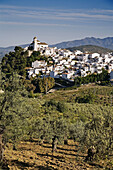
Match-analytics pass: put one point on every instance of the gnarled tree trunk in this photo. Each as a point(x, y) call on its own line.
point(1, 148)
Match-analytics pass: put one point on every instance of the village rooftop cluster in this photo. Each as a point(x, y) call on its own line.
point(66, 64)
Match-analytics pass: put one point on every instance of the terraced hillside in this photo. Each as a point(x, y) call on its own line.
point(31, 155)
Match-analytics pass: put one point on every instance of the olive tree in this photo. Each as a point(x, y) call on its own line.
point(98, 132)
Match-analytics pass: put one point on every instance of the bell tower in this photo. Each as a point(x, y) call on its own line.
point(35, 44)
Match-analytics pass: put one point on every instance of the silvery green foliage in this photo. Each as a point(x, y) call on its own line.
point(98, 132)
point(77, 130)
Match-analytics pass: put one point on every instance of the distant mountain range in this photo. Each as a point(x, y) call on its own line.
point(105, 42)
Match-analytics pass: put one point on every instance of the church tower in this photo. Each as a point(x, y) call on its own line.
point(35, 44)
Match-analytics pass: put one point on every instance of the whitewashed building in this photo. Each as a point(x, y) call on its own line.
point(37, 64)
point(36, 45)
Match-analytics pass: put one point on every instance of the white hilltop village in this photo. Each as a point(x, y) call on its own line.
point(66, 64)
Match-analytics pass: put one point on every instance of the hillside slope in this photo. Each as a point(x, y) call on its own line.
point(31, 155)
point(90, 49)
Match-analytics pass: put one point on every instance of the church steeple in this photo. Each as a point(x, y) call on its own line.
point(35, 43)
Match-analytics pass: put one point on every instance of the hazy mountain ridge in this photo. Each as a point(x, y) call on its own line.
point(105, 42)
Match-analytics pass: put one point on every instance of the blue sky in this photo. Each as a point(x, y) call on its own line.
point(54, 21)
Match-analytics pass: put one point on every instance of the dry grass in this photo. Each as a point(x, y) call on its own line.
point(31, 156)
